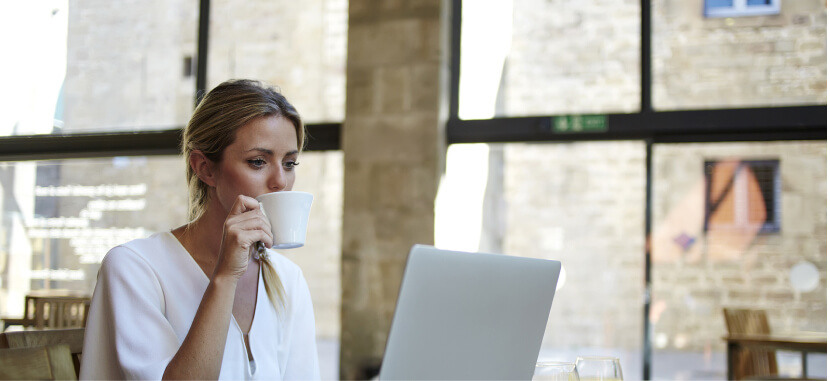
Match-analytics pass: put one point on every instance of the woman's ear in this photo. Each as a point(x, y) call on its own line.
point(202, 167)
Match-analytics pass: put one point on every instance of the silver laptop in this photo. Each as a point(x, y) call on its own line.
point(469, 316)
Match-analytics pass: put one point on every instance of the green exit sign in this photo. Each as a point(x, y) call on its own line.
point(579, 123)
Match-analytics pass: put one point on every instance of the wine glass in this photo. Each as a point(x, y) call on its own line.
point(555, 371)
point(599, 368)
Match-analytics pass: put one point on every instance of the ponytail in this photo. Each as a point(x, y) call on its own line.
point(270, 278)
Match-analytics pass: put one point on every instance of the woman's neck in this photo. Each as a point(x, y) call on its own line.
point(203, 237)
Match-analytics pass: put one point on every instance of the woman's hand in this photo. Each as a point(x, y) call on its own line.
point(245, 226)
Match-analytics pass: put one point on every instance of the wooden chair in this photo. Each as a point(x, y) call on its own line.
point(72, 338)
point(61, 312)
point(39, 363)
point(751, 362)
point(52, 311)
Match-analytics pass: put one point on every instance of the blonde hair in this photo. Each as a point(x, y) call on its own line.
point(213, 127)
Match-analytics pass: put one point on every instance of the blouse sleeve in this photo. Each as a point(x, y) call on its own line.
point(127, 334)
point(302, 362)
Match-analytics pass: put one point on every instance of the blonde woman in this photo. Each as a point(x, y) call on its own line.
point(197, 302)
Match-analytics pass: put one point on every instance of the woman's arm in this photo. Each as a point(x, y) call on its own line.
point(201, 352)
point(200, 355)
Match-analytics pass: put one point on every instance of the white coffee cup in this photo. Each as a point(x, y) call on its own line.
point(288, 213)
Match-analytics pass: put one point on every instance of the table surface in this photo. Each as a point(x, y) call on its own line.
point(808, 341)
point(57, 293)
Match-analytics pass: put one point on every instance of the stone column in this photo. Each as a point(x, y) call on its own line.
point(397, 73)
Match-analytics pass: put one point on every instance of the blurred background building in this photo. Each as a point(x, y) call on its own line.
point(538, 128)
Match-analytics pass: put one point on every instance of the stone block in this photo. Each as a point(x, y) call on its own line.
point(409, 138)
point(425, 90)
point(362, 99)
point(393, 89)
point(384, 43)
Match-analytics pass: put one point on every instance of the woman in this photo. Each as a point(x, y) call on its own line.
point(194, 302)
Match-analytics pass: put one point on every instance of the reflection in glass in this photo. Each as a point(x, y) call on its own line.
point(61, 217)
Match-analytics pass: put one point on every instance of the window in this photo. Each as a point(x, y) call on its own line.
point(529, 58)
point(702, 64)
point(697, 271)
point(736, 8)
point(743, 194)
point(298, 46)
point(562, 201)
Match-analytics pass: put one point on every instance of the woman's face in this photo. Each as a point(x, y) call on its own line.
point(260, 160)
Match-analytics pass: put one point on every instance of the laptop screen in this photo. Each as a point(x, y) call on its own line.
point(469, 316)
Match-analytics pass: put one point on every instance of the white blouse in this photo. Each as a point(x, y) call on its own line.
point(146, 297)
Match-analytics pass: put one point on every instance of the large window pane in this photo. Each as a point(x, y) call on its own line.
point(61, 217)
point(760, 61)
point(580, 203)
point(299, 46)
point(714, 248)
point(539, 57)
point(89, 66)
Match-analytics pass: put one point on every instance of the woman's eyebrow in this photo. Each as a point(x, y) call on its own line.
point(263, 150)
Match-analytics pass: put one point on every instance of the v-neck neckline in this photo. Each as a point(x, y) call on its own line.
point(195, 267)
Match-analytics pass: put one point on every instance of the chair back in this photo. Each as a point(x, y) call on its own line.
point(72, 338)
point(751, 362)
point(52, 362)
point(60, 312)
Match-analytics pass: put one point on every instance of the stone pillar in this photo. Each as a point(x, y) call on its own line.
point(393, 142)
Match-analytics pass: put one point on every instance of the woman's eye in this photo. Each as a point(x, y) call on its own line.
point(289, 165)
point(256, 163)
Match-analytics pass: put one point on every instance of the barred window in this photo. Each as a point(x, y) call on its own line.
point(743, 194)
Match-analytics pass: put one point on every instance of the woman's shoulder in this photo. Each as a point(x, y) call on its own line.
point(149, 250)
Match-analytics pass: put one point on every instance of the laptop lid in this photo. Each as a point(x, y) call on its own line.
point(469, 316)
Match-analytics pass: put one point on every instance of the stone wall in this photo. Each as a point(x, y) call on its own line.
point(573, 57)
point(393, 149)
point(125, 66)
point(583, 57)
point(739, 62)
point(691, 286)
point(582, 204)
point(300, 46)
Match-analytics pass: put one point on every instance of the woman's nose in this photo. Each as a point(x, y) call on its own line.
point(277, 181)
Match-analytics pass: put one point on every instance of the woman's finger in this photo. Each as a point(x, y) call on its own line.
point(249, 238)
point(250, 217)
point(243, 204)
